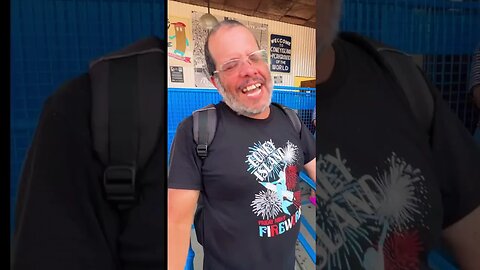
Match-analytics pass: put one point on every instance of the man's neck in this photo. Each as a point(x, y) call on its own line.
point(262, 115)
point(325, 64)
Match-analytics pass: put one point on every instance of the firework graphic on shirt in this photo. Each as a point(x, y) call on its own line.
point(352, 209)
point(402, 249)
point(290, 153)
point(278, 201)
point(266, 204)
point(281, 181)
point(403, 192)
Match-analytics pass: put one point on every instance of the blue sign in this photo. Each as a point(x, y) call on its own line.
point(280, 53)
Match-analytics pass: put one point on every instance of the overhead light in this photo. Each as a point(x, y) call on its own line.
point(208, 20)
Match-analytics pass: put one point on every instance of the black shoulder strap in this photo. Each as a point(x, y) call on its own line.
point(292, 115)
point(408, 76)
point(127, 109)
point(204, 127)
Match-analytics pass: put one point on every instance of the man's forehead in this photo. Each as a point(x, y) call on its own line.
point(224, 35)
point(225, 29)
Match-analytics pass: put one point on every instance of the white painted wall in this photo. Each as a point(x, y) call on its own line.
point(303, 43)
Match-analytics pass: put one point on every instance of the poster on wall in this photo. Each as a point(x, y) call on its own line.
point(199, 37)
point(280, 53)
point(179, 41)
point(176, 74)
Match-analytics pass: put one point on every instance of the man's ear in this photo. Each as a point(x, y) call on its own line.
point(212, 80)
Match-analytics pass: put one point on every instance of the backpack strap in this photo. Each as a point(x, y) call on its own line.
point(292, 115)
point(406, 74)
point(127, 109)
point(204, 127)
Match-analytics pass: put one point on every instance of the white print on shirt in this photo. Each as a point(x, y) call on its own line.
point(275, 170)
point(373, 219)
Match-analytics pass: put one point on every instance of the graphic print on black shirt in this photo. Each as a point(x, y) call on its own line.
point(277, 204)
point(370, 220)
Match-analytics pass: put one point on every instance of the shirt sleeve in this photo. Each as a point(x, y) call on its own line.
point(185, 165)
point(457, 160)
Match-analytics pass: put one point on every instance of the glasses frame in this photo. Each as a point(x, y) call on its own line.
point(264, 58)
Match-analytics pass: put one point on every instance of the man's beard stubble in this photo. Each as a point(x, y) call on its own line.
point(235, 105)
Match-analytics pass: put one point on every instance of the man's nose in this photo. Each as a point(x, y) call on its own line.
point(247, 68)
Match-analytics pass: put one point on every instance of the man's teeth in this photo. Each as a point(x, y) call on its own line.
point(251, 87)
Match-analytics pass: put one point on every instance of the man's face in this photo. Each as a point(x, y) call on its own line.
point(328, 17)
point(247, 87)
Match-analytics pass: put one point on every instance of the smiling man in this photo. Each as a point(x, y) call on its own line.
point(246, 86)
point(248, 183)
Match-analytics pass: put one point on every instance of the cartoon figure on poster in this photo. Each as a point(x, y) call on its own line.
point(181, 38)
point(178, 43)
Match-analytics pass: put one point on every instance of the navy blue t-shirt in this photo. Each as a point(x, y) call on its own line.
point(385, 188)
point(249, 188)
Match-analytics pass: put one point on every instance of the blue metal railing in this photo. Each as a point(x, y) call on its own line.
point(311, 231)
point(439, 260)
point(183, 101)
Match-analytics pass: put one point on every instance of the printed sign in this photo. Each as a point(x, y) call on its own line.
point(280, 53)
point(176, 74)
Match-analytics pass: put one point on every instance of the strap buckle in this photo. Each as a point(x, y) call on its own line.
point(119, 184)
point(202, 150)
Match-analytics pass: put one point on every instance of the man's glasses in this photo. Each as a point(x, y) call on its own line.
point(255, 57)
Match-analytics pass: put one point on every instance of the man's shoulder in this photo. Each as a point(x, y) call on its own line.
point(186, 124)
point(364, 45)
point(69, 108)
point(352, 49)
point(72, 98)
